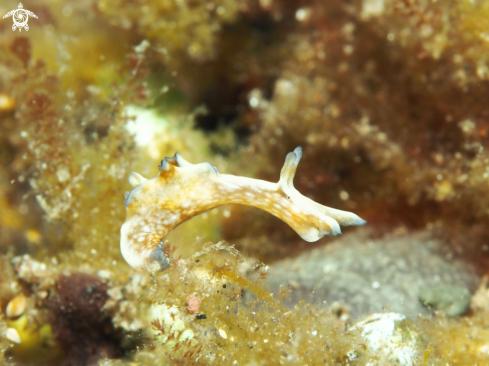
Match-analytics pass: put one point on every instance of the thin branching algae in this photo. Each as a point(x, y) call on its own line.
point(182, 190)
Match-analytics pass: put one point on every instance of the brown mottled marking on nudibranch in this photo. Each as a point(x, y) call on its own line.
point(182, 190)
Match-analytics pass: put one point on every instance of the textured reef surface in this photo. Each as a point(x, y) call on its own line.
point(389, 103)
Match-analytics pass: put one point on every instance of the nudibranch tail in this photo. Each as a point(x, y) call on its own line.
point(182, 190)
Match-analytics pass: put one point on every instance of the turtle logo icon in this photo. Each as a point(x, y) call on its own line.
point(20, 17)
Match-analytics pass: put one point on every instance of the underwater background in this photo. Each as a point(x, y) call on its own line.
point(390, 103)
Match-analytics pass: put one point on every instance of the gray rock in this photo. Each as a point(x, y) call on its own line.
point(371, 276)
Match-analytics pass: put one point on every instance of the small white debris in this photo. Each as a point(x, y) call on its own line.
point(392, 335)
point(303, 14)
point(254, 101)
point(16, 306)
point(255, 98)
point(142, 47)
point(467, 126)
point(351, 355)
point(223, 334)
point(12, 335)
point(105, 274)
point(372, 8)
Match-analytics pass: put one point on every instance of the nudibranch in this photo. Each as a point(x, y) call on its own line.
point(182, 190)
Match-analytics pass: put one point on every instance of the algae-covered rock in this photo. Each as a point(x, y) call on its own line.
point(388, 100)
point(367, 275)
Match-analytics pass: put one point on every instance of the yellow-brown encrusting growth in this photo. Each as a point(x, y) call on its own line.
point(182, 190)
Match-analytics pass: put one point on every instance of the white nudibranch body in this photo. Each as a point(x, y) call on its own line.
point(182, 190)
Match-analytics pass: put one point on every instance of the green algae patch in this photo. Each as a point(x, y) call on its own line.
point(453, 300)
